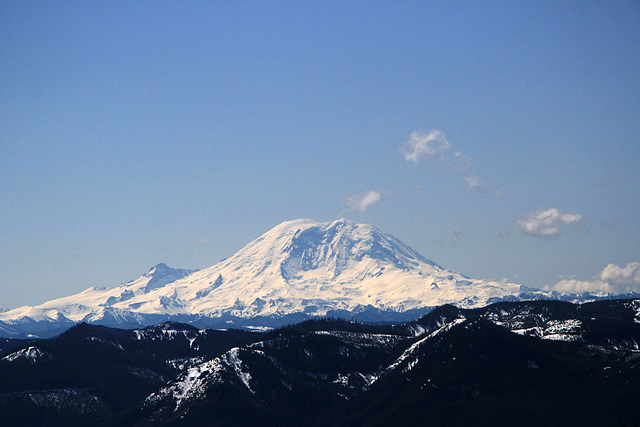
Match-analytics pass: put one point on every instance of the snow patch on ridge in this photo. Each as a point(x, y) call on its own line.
point(636, 306)
point(31, 354)
point(410, 352)
point(557, 330)
point(169, 334)
point(193, 383)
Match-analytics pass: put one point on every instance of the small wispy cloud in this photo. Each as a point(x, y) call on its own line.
point(463, 160)
point(612, 279)
point(424, 145)
point(474, 184)
point(434, 143)
point(362, 202)
point(546, 223)
point(456, 236)
point(611, 223)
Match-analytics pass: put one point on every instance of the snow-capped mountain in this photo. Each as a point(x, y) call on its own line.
point(299, 268)
point(89, 305)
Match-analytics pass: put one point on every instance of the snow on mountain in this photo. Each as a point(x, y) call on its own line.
point(193, 383)
point(90, 304)
point(310, 267)
point(31, 354)
point(300, 266)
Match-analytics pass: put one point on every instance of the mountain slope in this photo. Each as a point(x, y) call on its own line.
point(55, 316)
point(304, 266)
point(478, 373)
point(464, 367)
point(92, 371)
point(515, 363)
point(300, 268)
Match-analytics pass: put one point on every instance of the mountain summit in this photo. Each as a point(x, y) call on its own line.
point(312, 267)
point(299, 268)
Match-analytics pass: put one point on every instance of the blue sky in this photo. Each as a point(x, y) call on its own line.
point(500, 139)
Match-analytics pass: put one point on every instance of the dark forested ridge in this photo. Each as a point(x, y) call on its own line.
point(510, 363)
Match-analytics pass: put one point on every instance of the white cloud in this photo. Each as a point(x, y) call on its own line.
point(475, 184)
point(362, 202)
point(579, 286)
point(424, 145)
point(546, 223)
point(628, 274)
point(612, 279)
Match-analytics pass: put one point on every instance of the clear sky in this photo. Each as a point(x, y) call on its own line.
point(500, 139)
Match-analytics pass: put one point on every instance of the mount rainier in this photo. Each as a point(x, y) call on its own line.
point(297, 270)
